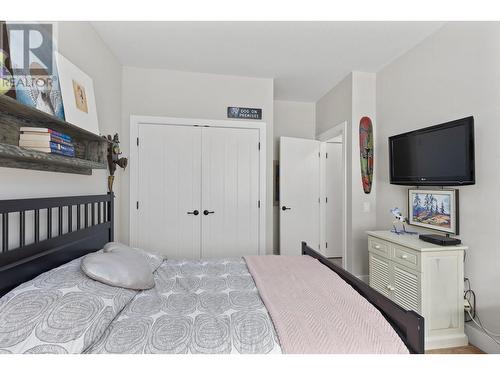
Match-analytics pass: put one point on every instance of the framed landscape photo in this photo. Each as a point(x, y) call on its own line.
point(77, 90)
point(434, 209)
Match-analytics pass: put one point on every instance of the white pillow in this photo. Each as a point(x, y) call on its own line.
point(153, 258)
point(124, 270)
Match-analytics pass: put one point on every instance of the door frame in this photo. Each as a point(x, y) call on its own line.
point(340, 129)
point(137, 120)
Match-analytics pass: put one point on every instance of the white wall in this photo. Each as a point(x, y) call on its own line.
point(158, 92)
point(351, 99)
point(81, 45)
point(291, 119)
point(452, 74)
point(335, 106)
point(363, 205)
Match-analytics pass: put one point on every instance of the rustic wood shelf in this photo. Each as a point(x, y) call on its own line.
point(18, 157)
point(90, 148)
point(30, 116)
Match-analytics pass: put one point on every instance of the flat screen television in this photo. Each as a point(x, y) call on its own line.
point(441, 155)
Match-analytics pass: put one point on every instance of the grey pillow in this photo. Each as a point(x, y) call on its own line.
point(124, 270)
point(153, 258)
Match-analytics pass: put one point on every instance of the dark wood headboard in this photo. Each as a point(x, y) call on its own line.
point(408, 324)
point(58, 230)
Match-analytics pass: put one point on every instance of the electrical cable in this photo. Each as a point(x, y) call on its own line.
point(472, 301)
point(484, 329)
point(470, 296)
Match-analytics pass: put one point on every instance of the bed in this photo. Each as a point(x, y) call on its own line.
point(229, 305)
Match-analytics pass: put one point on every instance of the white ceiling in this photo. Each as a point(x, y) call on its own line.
point(306, 59)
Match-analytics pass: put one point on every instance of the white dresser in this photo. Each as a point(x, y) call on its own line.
point(422, 277)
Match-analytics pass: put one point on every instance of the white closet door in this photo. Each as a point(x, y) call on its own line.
point(230, 192)
point(299, 194)
point(169, 187)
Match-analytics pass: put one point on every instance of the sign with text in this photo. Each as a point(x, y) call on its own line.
point(244, 113)
point(31, 48)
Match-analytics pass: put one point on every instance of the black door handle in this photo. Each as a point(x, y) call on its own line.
point(195, 212)
point(284, 208)
point(206, 212)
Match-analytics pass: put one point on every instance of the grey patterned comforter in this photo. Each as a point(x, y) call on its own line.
point(59, 311)
point(207, 306)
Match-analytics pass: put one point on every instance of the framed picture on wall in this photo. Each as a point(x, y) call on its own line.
point(77, 90)
point(434, 209)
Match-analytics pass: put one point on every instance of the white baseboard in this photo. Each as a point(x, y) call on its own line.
point(452, 340)
point(364, 278)
point(480, 339)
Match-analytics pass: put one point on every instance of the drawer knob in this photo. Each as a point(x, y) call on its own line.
point(377, 247)
point(390, 287)
point(404, 256)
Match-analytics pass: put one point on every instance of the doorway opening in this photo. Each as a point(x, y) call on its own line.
point(314, 194)
point(333, 185)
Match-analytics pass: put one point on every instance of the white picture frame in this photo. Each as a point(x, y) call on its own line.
point(439, 212)
point(77, 90)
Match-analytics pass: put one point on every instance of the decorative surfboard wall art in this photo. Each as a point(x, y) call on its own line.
point(366, 153)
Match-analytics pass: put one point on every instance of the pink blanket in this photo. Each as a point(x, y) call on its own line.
point(315, 311)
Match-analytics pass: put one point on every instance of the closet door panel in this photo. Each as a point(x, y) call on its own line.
point(230, 192)
point(169, 187)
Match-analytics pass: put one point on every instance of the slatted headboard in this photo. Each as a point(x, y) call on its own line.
point(42, 233)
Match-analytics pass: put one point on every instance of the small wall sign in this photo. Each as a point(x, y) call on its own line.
point(244, 113)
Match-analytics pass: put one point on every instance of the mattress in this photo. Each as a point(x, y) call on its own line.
point(328, 315)
point(60, 311)
point(207, 306)
point(210, 306)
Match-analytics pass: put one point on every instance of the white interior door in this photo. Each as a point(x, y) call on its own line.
point(169, 190)
point(299, 194)
point(333, 202)
point(230, 193)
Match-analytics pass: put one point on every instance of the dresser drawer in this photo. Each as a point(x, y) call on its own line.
point(406, 257)
point(378, 246)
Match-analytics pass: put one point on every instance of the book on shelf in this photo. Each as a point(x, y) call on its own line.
point(41, 140)
point(53, 150)
point(47, 144)
point(53, 145)
point(44, 131)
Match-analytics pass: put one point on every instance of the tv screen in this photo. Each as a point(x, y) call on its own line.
point(441, 155)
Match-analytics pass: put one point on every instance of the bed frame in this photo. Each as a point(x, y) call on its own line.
point(78, 225)
point(408, 324)
point(71, 228)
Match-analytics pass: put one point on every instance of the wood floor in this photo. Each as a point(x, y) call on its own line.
point(469, 349)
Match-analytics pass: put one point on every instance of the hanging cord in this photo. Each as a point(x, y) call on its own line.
point(480, 325)
point(470, 296)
